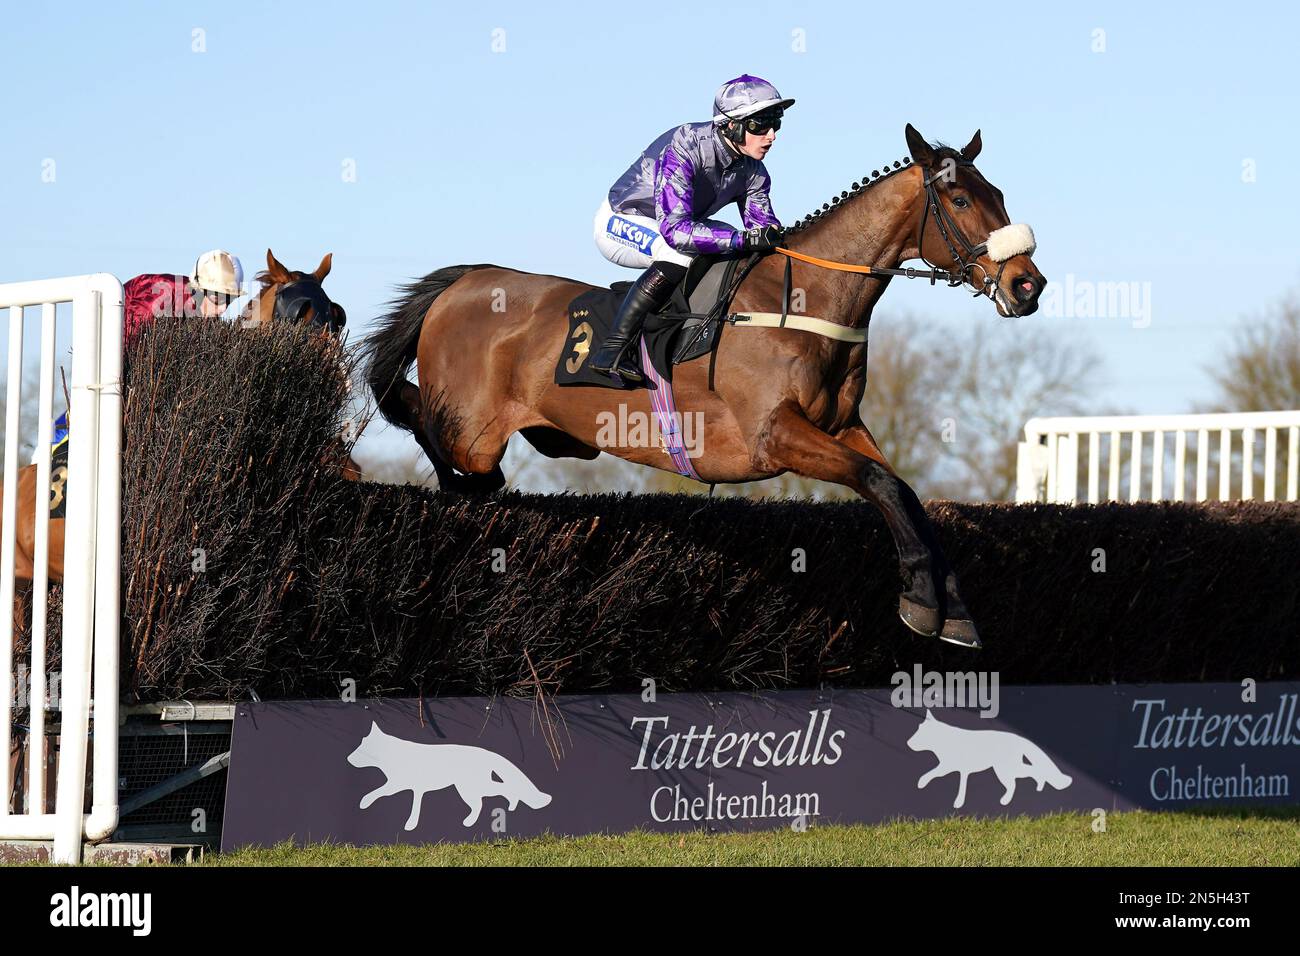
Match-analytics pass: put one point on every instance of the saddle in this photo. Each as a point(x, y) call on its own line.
point(688, 327)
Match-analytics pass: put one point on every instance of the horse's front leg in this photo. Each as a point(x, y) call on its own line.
point(957, 626)
point(791, 442)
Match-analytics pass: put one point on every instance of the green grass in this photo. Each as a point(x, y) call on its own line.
point(1260, 837)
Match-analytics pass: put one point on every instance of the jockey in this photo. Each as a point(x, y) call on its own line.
point(656, 215)
point(209, 291)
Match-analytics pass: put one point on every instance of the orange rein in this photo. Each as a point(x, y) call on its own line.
point(824, 263)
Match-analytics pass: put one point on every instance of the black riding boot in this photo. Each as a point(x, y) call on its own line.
point(648, 294)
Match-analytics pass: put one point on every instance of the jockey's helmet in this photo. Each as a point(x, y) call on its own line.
point(218, 271)
point(746, 97)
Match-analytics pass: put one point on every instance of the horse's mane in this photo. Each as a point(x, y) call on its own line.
point(942, 151)
point(877, 175)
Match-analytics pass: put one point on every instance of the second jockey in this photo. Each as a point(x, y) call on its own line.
point(655, 216)
point(216, 282)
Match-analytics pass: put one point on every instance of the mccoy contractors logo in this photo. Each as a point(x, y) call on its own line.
point(630, 234)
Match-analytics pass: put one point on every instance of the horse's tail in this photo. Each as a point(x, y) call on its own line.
point(390, 349)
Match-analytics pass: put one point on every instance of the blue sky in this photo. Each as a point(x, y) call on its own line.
point(1128, 162)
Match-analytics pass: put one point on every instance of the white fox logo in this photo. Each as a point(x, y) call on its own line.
point(971, 751)
point(474, 772)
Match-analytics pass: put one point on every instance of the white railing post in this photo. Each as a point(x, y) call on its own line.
point(78, 584)
point(1270, 464)
point(91, 581)
point(1135, 467)
point(1112, 482)
point(1026, 477)
point(1202, 463)
point(1067, 469)
point(1094, 467)
point(8, 521)
point(1055, 442)
point(41, 567)
point(108, 565)
point(1225, 464)
point(1180, 465)
point(1247, 463)
point(1033, 467)
point(1158, 466)
point(1293, 461)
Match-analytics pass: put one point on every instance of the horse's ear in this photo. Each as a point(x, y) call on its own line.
point(917, 146)
point(323, 269)
point(277, 271)
point(972, 149)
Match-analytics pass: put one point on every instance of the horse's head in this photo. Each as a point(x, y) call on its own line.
point(289, 296)
point(965, 227)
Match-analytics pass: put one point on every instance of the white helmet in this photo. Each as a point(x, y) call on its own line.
point(218, 271)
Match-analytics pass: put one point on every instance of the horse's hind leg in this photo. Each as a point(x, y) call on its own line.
point(425, 428)
point(957, 626)
point(793, 443)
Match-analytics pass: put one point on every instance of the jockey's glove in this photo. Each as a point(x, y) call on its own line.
point(762, 238)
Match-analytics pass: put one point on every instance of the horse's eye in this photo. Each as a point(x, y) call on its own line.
point(961, 202)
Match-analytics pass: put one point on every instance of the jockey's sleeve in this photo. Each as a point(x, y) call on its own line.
point(674, 210)
point(756, 208)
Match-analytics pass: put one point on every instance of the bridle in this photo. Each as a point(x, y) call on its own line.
point(293, 299)
point(948, 229)
point(965, 259)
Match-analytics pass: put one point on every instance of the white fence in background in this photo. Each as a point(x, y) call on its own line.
point(91, 568)
point(1161, 457)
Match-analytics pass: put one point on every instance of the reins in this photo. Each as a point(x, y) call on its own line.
point(948, 229)
point(934, 275)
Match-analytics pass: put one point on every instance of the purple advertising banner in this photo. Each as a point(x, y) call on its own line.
point(457, 769)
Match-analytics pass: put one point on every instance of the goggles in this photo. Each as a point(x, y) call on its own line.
point(760, 123)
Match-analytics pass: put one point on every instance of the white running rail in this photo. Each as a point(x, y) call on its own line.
point(91, 567)
point(1049, 466)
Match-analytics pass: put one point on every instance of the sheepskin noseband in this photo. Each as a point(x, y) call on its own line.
point(1016, 239)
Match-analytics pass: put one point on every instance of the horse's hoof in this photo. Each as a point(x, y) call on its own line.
point(923, 620)
point(962, 633)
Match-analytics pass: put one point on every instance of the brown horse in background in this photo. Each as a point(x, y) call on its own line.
point(275, 278)
point(785, 400)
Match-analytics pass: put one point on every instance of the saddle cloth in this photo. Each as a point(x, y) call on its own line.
point(677, 334)
point(59, 479)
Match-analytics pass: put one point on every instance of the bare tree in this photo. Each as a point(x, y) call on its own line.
point(909, 368)
point(1261, 371)
point(1004, 374)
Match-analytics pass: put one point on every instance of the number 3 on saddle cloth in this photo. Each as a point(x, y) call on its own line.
point(687, 328)
point(59, 477)
point(58, 468)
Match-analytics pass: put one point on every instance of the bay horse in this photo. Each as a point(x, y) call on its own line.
point(785, 399)
point(308, 304)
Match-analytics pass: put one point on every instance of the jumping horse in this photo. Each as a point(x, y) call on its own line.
point(783, 399)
